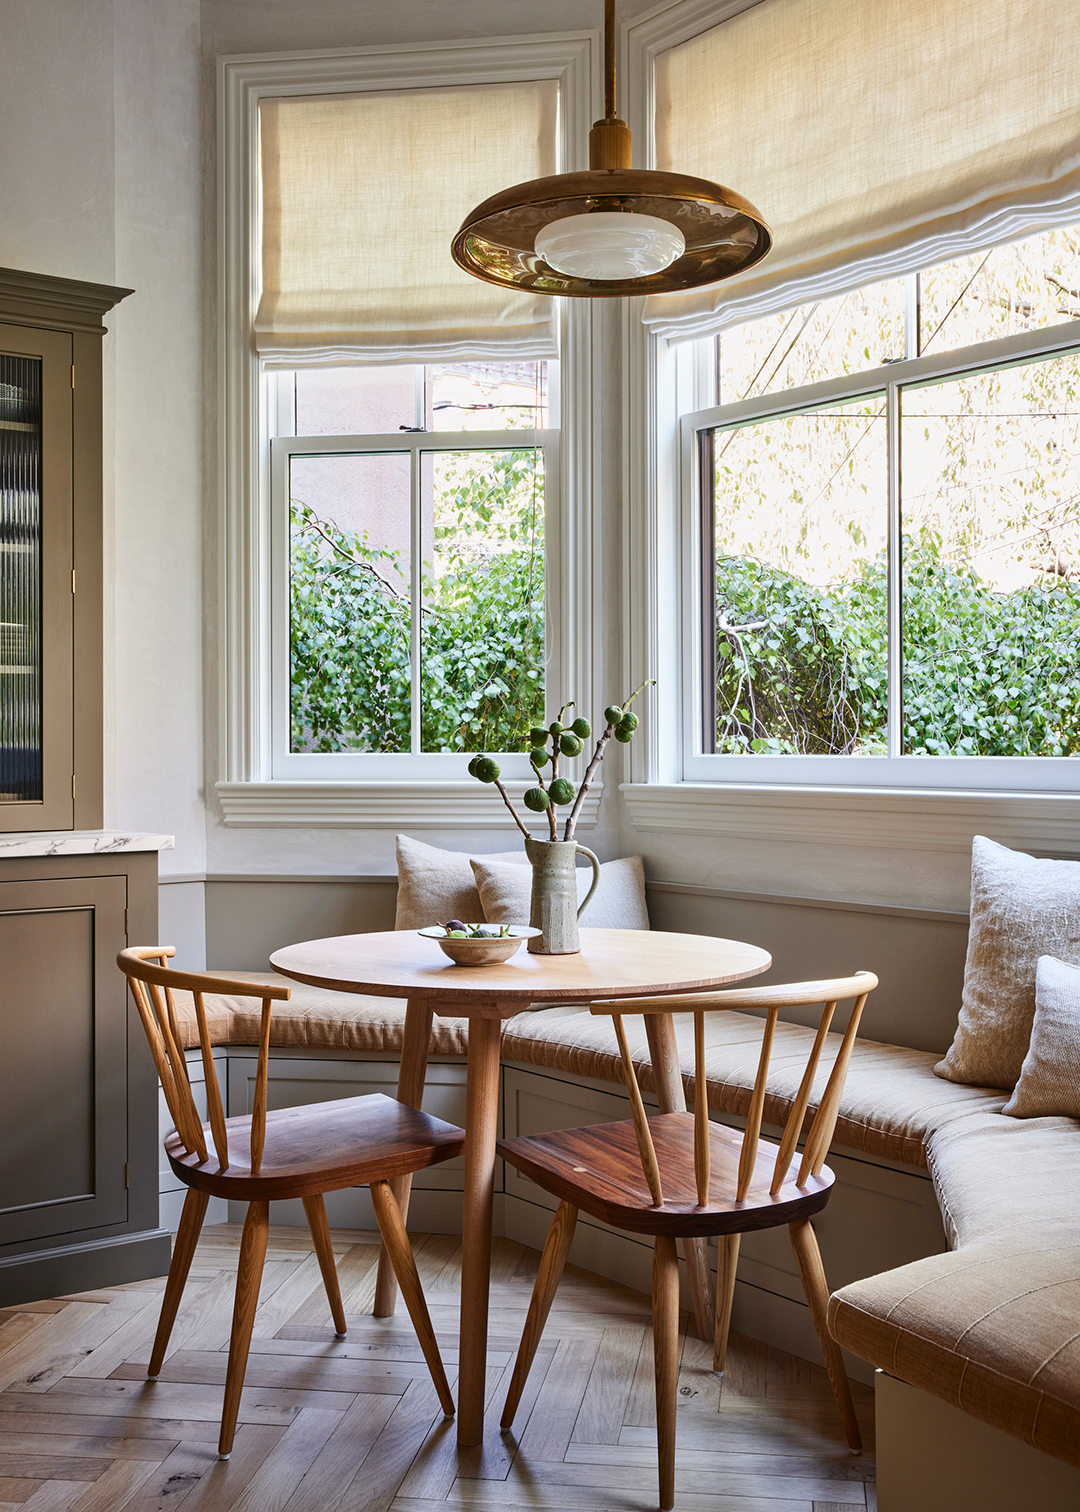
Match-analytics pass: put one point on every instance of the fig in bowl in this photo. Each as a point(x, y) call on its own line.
point(478, 944)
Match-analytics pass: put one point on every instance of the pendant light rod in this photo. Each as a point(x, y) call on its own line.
point(609, 60)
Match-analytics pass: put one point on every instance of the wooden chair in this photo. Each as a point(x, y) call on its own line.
point(677, 1175)
point(292, 1152)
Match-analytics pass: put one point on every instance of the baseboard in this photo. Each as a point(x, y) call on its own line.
point(84, 1267)
point(962, 1464)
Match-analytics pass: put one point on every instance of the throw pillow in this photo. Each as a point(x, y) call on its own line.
point(435, 885)
point(1050, 1079)
point(1021, 908)
point(618, 903)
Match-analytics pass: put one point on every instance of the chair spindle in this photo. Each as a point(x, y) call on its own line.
point(213, 1090)
point(821, 1130)
point(646, 1148)
point(701, 1114)
point(793, 1127)
point(752, 1132)
point(258, 1110)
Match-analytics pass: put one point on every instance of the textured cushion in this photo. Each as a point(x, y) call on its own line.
point(891, 1105)
point(618, 903)
point(1050, 1079)
point(1021, 908)
point(435, 885)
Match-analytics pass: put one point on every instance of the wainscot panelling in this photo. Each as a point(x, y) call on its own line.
point(249, 917)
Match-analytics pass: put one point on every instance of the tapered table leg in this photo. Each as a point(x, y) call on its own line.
point(663, 1052)
point(411, 1076)
point(481, 1127)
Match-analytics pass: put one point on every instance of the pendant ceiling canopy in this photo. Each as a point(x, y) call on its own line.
point(611, 229)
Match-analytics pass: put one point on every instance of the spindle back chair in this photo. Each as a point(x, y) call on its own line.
point(682, 1175)
point(267, 1156)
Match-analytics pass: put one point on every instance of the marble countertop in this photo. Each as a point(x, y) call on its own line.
point(79, 842)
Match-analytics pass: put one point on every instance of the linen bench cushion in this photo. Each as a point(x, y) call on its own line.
point(891, 1105)
point(993, 1326)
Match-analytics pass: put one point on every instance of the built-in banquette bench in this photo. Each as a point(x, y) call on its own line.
point(992, 1326)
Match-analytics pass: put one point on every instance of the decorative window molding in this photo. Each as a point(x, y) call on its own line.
point(383, 805)
point(244, 758)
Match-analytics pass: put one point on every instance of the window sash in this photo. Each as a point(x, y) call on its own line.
point(894, 770)
point(343, 766)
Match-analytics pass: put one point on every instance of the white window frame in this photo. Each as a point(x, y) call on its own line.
point(812, 799)
point(249, 793)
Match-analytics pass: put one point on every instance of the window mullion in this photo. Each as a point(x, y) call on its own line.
point(895, 568)
point(416, 548)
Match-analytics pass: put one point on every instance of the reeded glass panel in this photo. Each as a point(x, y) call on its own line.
point(1004, 291)
point(991, 570)
point(350, 614)
point(849, 334)
point(20, 579)
point(800, 588)
point(482, 627)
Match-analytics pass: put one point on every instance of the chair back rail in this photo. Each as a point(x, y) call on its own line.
point(772, 999)
point(152, 987)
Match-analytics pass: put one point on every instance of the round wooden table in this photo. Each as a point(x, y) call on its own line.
point(612, 963)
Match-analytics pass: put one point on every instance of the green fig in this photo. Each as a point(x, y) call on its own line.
point(623, 734)
point(555, 728)
point(613, 713)
point(537, 799)
point(629, 721)
point(570, 744)
point(562, 791)
point(472, 765)
point(538, 758)
point(487, 769)
point(538, 736)
point(582, 728)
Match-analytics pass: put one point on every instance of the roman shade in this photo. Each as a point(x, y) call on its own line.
point(875, 136)
point(361, 194)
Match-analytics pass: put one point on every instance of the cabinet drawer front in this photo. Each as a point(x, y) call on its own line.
point(63, 1073)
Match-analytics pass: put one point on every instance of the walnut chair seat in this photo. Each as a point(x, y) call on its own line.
point(274, 1155)
point(678, 1175)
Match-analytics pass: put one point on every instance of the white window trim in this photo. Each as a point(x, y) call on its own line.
point(663, 383)
point(247, 791)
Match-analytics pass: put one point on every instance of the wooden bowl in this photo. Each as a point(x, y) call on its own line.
point(484, 952)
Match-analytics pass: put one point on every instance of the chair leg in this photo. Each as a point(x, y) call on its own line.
point(804, 1242)
point(727, 1264)
point(187, 1237)
point(315, 1211)
point(552, 1262)
point(665, 1302)
point(396, 1243)
point(248, 1276)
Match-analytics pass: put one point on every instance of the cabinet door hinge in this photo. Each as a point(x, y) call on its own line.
point(127, 1175)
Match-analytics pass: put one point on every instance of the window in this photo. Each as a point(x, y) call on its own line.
point(408, 597)
point(887, 537)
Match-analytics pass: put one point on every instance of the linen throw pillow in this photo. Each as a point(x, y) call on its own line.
point(435, 885)
point(618, 903)
point(1050, 1079)
point(1021, 908)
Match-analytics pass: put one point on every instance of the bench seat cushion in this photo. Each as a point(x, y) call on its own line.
point(892, 1101)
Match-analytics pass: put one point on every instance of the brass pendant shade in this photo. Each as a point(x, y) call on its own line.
point(722, 232)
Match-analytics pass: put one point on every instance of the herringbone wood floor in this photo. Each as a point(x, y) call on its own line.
point(355, 1426)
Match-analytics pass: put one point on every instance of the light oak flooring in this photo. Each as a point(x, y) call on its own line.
point(354, 1426)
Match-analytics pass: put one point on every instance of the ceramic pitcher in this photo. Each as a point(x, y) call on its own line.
point(555, 909)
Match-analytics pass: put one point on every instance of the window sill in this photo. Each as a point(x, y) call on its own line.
point(890, 818)
point(382, 805)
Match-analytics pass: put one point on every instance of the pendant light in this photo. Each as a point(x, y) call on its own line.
point(612, 229)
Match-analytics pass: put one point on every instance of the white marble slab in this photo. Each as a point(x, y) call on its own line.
point(79, 842)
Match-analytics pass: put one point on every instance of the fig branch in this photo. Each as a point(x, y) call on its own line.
point(616, 717)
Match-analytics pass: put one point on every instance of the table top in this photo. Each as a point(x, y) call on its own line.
point(612, 963)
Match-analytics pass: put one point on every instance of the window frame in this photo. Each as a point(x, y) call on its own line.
point(249, 791)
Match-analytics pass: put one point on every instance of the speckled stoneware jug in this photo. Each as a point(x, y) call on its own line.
point(554, 909)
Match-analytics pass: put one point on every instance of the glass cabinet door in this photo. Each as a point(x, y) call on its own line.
point(36, 580)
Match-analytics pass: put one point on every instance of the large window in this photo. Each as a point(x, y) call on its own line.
point(887, 504)
point(410, 568)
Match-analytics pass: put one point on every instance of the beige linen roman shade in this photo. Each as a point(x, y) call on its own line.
point(875, 137)
point(361, 194)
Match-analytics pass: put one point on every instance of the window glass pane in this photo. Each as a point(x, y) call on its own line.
point(20, 579)
point(482, 630)
point(849, 334)
point(991, 571)
point(355, 401)
point(350, 615)
point(800, 608)
point(1001, 292)
point(487, 396)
